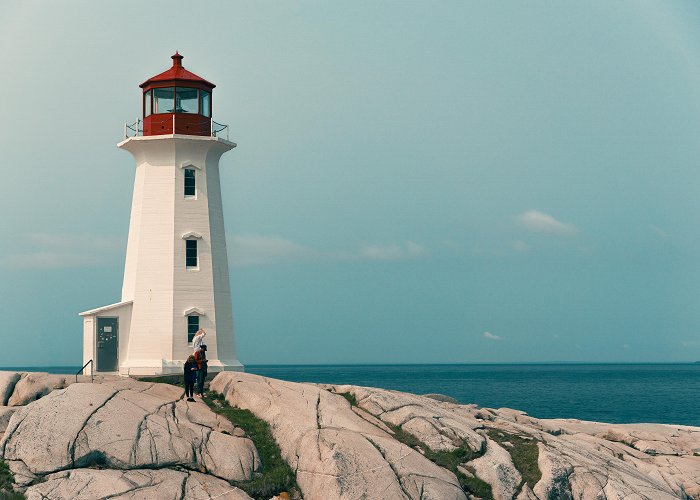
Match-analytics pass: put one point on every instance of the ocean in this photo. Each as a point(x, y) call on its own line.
point(619, 393)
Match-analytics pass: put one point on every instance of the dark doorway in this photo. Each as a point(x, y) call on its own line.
point(107, 344)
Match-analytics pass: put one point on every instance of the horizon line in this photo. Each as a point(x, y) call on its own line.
point(472, 363)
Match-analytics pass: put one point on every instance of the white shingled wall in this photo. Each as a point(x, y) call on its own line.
point(155, 276)
point(88, 340)
point(224, 345)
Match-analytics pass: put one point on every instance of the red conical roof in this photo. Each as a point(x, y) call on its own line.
point(177, 73)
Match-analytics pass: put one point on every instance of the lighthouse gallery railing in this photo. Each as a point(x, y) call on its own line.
point(136, 129)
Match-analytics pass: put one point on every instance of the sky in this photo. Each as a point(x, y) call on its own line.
point(414, 182)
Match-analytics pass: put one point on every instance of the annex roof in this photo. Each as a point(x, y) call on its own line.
point(106, 308)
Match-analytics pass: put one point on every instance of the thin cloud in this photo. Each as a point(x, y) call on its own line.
point(540, 222)
point(55, 251)
point(658, 231)
point(63, 241)
point(59, 251)
point(491, 336)
point(520, 246)
point(53, 260)
point(408, 250)
point(255, 250)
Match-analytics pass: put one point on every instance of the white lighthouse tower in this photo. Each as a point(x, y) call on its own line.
point(176, 277)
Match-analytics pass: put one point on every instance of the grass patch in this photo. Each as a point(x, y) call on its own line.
point(275, 475)
point(164, 379)
point(474, 485)
point(524, 453)
point(449, 460)
point(6, 481)
point(350, 397)
point(11, 495)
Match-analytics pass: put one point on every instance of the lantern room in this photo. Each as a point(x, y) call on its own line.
point(177, 102)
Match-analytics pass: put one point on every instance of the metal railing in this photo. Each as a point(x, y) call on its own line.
point(92, 371)
point(136, 129)
point(217, 128)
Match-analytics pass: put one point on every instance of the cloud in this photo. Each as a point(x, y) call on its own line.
point(539, 222)
point(57, 251)
point(255, 250)
point(491, 336)
point(52, 260)
point(659, 232)
point(408, 250)
point(63, 241)
point(520, 246)
point(54, 251)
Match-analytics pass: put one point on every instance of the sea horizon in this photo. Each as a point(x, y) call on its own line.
point(475, 363)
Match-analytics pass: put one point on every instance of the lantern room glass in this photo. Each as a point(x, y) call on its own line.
point(147, 103)
point(186, 100)
point(205, 103)
point(164, 100)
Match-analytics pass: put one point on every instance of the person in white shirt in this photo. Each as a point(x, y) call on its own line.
point(198, 339)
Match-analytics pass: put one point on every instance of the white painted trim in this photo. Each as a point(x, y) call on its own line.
point(187, 164)
point(191, 235)
point(98, 310)
point(194, 310)
point(191, 138)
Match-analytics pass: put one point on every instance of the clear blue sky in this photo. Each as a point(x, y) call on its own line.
point(414, 182)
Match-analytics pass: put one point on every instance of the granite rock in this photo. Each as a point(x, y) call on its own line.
point(336, 453)
point(32, 386)
point(127, 439)
point(8, 380)
point(496, 468)
point(6, 413)
point(133, 484)
point(122, 425)
point(576, 459)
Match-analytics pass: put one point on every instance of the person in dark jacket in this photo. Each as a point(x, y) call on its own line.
point(201, 357)
point(190, 377)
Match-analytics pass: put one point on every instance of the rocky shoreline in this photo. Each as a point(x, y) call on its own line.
point(123, 438)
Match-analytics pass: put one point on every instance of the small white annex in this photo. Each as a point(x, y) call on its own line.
point(176, 276)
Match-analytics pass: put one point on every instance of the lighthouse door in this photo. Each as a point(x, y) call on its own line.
point(107, 343)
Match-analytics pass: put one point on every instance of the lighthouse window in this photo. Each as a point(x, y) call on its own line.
point(189, 182)
point(147, 104)
point(192, 327)
point(205, 103)
point(164, 100)
point(186, 100)
point(191, 253)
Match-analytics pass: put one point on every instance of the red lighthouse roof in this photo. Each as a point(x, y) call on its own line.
point(177, 73)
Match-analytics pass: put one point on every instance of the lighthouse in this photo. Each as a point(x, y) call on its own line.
point(176, 277)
